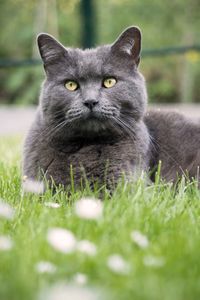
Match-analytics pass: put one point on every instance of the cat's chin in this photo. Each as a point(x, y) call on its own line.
point(93, 124)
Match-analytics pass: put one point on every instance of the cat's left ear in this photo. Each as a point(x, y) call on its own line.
point(129, 44)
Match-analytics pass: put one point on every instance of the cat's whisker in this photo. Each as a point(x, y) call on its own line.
point(155, 143)
point(126, 126)
point(55, 129)
point(68, 122)
point(51, 129)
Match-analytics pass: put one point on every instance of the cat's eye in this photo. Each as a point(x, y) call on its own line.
point(71, 85)
point(109, 82)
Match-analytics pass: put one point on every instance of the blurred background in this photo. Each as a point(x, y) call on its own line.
point(171, 42)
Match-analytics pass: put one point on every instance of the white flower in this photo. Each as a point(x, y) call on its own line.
point(153, 261)
point(89, 208)
point(45, 267)
point(62, 240)
point(52, 204)
point(80, 278)
point(61, 291)
point(5, 243)
point(6, 211)
point(140, 239)
point(24, 178)
point(33, 186)
point(87, 247)
point(117, 264)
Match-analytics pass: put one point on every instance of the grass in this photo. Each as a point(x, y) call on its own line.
point(169, 218)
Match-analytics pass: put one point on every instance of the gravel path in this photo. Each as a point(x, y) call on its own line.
point(16, 120)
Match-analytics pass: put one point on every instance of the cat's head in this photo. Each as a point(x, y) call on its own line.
point(93, 90)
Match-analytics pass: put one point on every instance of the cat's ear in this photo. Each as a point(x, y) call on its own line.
point(50, 49)
point(129, 43)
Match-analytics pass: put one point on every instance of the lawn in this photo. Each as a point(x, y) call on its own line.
point(146, 244)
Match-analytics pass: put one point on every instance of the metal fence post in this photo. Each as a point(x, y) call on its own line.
point(88, 23)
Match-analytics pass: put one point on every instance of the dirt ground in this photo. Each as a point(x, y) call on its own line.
point(17, 120)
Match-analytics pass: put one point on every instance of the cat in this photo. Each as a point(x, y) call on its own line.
point(92, 123)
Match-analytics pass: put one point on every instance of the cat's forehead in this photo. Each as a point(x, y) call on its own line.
point(89, 56)
point(90, 61)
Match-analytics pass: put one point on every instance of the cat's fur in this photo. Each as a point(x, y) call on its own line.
point(69, 139)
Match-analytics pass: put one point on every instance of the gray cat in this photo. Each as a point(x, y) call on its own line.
point(91, 123)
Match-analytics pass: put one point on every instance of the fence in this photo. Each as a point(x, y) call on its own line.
point(191, 50)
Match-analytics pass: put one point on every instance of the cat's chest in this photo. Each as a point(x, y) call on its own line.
point(86, 155)
point(92, 161)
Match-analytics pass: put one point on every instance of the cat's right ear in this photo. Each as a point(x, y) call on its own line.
point(50, 49)
point(129, 44)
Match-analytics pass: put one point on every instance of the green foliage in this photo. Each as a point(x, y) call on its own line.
point(169, 217)
point(23, 84)
point(163, 24)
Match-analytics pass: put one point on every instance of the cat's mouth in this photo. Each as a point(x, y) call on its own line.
point(98, 114)
point(95, 115)
point(90, 117)
point(93, 121)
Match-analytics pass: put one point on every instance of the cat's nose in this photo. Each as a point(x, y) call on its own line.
point(90, 103)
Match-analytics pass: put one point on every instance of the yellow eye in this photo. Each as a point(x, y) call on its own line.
point(109, 82)
point(71, 85)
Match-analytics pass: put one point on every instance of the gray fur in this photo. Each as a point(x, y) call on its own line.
point(176, 143)
point(116, 137)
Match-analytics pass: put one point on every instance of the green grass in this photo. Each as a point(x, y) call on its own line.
point(169, 218)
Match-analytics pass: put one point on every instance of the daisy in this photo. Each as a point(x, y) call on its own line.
point(45, 267)
point(117, 264)
point(87, 247)
point(140, 239)
point(5, 243)
point(6, 211)
point(61, 240)
point(89, 208)
point(33, 186)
